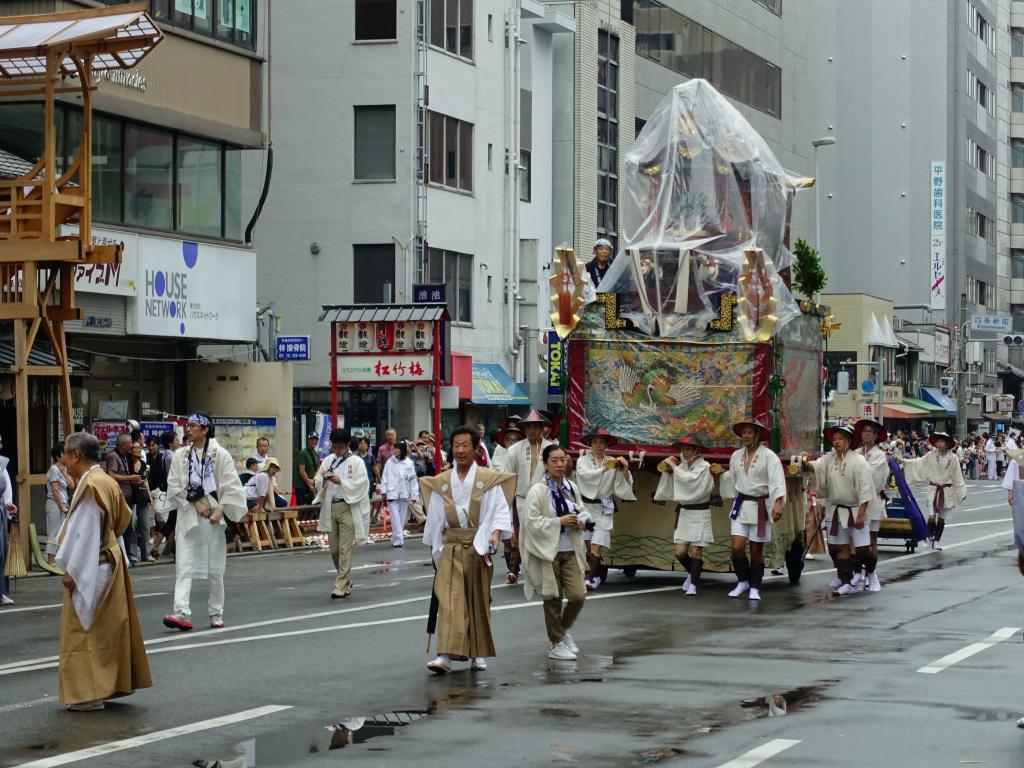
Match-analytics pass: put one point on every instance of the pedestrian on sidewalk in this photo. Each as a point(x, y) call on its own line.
point(144, 515)
point(119, 465)
point(259, 496)
point(57, 499)
point(399, 486)
point(169, 443)
point(204, 487)
point(8, 515)
point(342, 492)
point(990, 457)
point(102, 655)
point(551, 525)
point(306, 462)
point(467, 513)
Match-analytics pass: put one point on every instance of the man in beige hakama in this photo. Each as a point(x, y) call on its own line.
point(102, 655)
point(467, 514)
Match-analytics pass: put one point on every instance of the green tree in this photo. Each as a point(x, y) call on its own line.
point(808, 275)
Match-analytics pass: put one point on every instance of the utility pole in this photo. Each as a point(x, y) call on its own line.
point(963, 377)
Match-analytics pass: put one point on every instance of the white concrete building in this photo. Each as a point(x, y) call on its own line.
point(366, 102)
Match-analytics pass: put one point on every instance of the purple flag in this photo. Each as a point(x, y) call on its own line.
point(918, 523)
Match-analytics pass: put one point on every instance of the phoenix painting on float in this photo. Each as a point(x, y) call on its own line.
point(651, 394)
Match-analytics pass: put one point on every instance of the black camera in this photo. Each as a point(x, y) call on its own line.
point(195, 493)
point(590, 525)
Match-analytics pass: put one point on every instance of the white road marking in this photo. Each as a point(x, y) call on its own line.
point(49, 662)
point(5, 611)
point(27, 704)
point(971, 650)
point(981, 522)
point(760, 754)
point(150, 738)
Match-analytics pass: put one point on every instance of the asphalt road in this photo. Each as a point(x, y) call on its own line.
point(924, 673)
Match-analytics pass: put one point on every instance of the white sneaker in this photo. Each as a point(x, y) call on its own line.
point(844, 589)
point(561, 652)
point(873, 584)
point(478, 664)
point(755, 594)
point(858, 578)
point(691, 590)
point(570, 643)
point(595, 582)
point(936, 546)
point(836, 583)
point(5, 600)
point(740, 589)
point(687, 583)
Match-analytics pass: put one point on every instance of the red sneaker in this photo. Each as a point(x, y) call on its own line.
point(173, 622)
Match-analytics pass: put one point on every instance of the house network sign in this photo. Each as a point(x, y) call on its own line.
point(167, 291)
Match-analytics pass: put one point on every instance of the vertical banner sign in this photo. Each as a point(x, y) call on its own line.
point(385, 336)
point(937, 223)
point(556, 364)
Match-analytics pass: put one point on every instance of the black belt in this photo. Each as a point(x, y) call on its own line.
point(698, 507)
point(590, 501)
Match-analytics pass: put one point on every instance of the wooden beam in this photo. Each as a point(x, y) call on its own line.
point(21, 400)
point(18, 311)
point(62, 313)
point(45, 370)
point(13, 251)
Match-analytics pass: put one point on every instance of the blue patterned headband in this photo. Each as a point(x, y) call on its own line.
point(199, 419)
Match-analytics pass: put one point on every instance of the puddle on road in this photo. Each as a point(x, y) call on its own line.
point(780, 704)
point(394, 566)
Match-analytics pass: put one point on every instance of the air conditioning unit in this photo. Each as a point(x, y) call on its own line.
point(913, 389)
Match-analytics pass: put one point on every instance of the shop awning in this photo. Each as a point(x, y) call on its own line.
point(493, 386)
point(935, 396)
point(904, 412)
point(40, 354)
point(921, 405)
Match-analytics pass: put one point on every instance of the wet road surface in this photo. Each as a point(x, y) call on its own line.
point(926, 672)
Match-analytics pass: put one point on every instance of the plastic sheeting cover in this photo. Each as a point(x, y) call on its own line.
point(703, 187)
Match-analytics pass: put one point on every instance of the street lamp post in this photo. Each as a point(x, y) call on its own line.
point(825, 141)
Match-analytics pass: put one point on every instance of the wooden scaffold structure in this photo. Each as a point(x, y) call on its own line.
point(43, 56)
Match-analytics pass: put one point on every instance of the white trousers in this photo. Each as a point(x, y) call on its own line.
point(992, 475)
point(399, 509)
point(183, 593)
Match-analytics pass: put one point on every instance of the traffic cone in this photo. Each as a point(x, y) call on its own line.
point(294, 502)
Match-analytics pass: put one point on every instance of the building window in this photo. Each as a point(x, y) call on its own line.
point(608, 136)
point(1017, 266)
point(106, 169)
point(451, 26)
point(199, 193)
point(373, 273)
point(1017, 41)
point(455, 270)
point(230, 21)
point(638, 126)
point(1017, 94)
point(375, 19)
point(978, 157)
point(375, 143)
point(450, 159)
point(688, 48)
point(1017, 153)
point(775, 6)
point(980, 225)
point(232, 193)
point(149, 177)
point(1017, 207)
point(525, 174)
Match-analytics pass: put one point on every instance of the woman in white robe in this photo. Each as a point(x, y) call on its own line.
point(204, 487)
point(399, 486)
point(601, 480)
point(551, 544)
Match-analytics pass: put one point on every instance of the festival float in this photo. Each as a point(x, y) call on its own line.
point(694, 326)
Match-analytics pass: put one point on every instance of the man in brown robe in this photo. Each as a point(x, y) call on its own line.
point(467, 513)
point(102, 655)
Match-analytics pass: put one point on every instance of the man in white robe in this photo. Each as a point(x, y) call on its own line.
point(842, 479)
point(477, 499)
point(991, 457)
point(524, 460)
point(601, 480)
point(867, 435)
point(756, 475)
point(940, 470)
point(343, 493)
point(204, 487)
point(512, 435)
point(689, 483)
